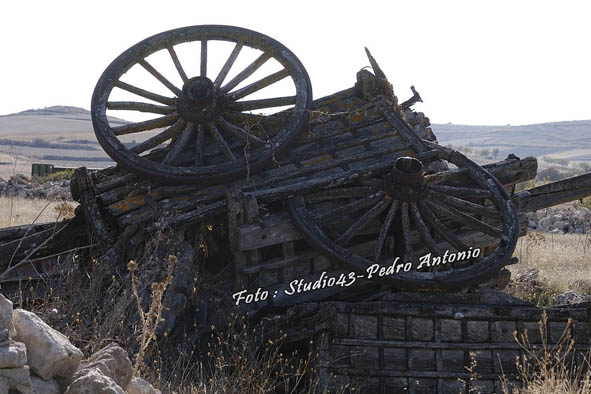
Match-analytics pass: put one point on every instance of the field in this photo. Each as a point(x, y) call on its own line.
point(15, 211)
point(562, 262)
point(561, 259)
point(559, 140)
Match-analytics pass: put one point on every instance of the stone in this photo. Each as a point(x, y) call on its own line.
point(49, 352)
point(94, 382)
point(4, 336)
point(529, 276)
point(540, 214)
point(112, 361)
point(19, 179)
point(580, 286)
point(3, 385)
point(18, 379)
point(6, 321)
point(570, 297)
point(140, 386)
point(560, 225)
point(42, 386)
point(14, 355)
point(544, 223)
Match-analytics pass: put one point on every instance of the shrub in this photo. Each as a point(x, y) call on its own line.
point(56, 176)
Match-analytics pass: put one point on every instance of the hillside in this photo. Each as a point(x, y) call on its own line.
point(59, 135)
point(62, 119)
point(64, 136)
point(560, 140)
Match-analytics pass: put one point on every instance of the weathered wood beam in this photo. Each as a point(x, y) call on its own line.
point(86, 193)
point(554, 193)
point(510, 171)
point(277, 229)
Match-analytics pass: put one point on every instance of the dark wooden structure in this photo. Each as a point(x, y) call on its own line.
point(434, 343)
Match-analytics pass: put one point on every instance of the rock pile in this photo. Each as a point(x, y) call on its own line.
point(36, 359)
point(560, 220)
point(20, 185)
point(570, 297)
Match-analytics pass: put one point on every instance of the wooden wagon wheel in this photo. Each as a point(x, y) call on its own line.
point(375, 220)
point(213, 134)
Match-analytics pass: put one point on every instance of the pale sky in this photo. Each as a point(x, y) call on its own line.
point(473, 62)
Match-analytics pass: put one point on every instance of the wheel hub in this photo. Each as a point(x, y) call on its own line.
point(201, 101)
point(406, 180)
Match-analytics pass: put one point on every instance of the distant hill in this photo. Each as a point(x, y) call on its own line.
point(64, 136)
point(561, 140)
point(58, 135)
point(49, 120)
point(56, 110)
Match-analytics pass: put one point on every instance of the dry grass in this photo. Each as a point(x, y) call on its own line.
point(550, 368)
point(239, 361)
point(563, 260)
point(16, 211)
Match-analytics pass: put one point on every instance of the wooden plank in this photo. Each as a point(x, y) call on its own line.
point(275, 229)
point(287, 252)
point(509, 172)
point(97, 230)
point(405, 130)
point(17, 232)
point(554, 193)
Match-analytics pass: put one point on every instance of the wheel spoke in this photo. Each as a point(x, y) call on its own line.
point(177, 63)
point(443, 231)
point(221, 142)
point(144, 93)
point(348, 208)
point(260, 84)
point(263, 103)
point(151, 124)
point(239, 132)
point(247, 72)
point(228, 65)
point(465, 192)
point(423, 229)
point(169, 133)
point(141, 107)
point(199, 145)
point(468, 220)
point(410, 253)
point(203, 58)
point(160, 77)
point(363, 221)
point(178, 145)
point(466, 206)
point(384, 229)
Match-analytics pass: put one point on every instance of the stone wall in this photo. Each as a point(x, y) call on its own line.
point(36, 359)
point(560, 220)
point(20, 185)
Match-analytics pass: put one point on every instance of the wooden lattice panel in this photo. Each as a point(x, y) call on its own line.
point(425, 343)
